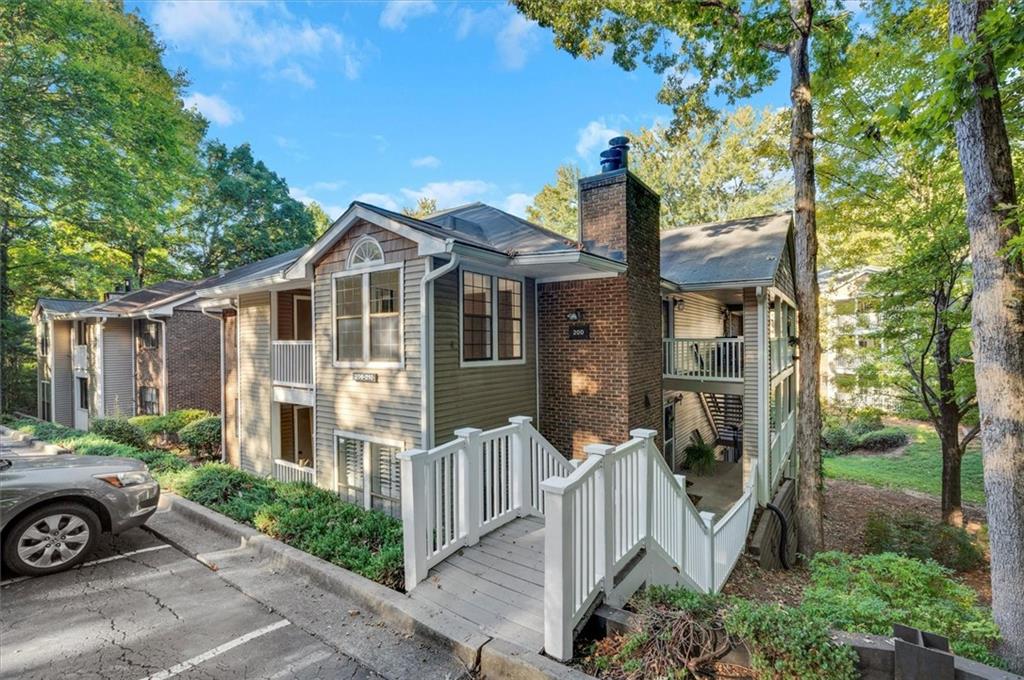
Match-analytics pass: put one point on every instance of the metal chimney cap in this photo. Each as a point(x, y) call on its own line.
point(618, 141)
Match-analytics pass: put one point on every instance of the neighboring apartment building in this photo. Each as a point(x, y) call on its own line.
point(391, 332)
point(850, 340)
point(143, 352)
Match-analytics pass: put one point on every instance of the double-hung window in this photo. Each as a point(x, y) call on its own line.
point(368, 309)
point(44, 340)
point(149, 333)
point(149, 401)
point(46, 410)
point(368, 473)
point(492, 318)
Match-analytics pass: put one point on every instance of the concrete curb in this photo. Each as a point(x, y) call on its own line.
point(494, 658)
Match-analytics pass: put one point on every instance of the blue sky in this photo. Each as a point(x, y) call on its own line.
point(386, 102)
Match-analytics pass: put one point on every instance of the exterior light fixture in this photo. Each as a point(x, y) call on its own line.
point(575, 315)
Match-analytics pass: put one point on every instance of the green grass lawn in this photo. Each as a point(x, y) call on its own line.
point(919, 467)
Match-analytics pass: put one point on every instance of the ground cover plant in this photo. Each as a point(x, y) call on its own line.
point(917, 468)
point(913, 535)
point(311, 519)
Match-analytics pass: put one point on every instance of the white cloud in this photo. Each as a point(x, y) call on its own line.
point(516, 40)
point(214, 108)
point(329, 186)
point(299, 194)
point(594, 136)
point(385, 201)
point(448, 194)
point(396, 13)
point(517, 204)
point(425, 162)
point(266, 34)
point(515, 36)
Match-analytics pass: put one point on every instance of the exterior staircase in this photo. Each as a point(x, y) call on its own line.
point(726, 411)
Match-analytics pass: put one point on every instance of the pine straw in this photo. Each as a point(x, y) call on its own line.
point(675, 644)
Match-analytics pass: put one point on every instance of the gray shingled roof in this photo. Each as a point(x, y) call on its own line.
point(737, 251)
point(254, 270)
point(132, 302)
point(500, 230)
point(62, 305)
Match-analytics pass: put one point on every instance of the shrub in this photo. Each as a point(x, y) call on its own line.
point(700, 457)
point(202, 436)
point(786, 642)
point(170, 424)
point(921, 538)
point(866, 420)
point(226, 489)
point(838, 440)
point(120, 430)
point(883, 440)
point(871, 592)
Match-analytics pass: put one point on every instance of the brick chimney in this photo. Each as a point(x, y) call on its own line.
point(599, 388)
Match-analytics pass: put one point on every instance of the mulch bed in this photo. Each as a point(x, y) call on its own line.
point(847, 506)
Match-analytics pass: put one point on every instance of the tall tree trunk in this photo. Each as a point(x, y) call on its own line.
point(948, 425)
point(811, 535)
point(998, 325)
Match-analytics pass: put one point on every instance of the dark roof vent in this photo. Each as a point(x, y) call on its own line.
point(616, 157)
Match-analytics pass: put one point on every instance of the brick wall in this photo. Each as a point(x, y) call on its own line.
point(193, 361)
point(596, 390)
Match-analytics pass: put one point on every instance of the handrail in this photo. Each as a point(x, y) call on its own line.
point(456, 492)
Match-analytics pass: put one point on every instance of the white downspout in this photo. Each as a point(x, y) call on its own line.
point(163, 361)
point(427, 344)
point(101, 408)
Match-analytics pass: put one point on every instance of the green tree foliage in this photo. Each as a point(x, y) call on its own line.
point(239, 211)
point(424, 206)
point(731, 168)
point(321, 220)
point(93, 143)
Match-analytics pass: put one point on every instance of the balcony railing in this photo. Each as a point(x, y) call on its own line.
point(705, 358)
point(293, 363)
point(80, 358)
point(285, 471)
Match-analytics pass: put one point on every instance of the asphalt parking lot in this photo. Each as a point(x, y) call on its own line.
point(140, 608)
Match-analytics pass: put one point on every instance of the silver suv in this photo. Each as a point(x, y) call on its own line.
point(54, 507)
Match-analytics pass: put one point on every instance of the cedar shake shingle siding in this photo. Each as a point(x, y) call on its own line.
point(483, 396)
point(193, 361)
point(391, 407)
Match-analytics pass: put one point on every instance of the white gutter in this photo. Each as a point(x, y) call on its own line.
point(427, 343)
point(163, 360)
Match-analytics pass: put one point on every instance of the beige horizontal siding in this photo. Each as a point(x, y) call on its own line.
point(118, 373)
point(698, 316)
point(255, 395)
point(478, 396)
point(389, 409)
point(63, 378)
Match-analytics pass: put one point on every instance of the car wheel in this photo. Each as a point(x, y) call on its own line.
point(51, 538)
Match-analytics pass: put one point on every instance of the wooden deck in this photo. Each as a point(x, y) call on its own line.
point(496, 585)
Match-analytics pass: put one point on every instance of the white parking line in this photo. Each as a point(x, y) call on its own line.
point(18, 579)
point(216, 651)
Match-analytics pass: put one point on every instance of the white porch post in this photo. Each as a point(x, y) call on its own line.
point(650, 450)
point(558, 570)
point(414, 511)
point(763, 387)
point(709, 526)
point(521, 480)
point(470, 508)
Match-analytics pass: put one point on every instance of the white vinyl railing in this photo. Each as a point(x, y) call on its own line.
point(285, 471)
point(293, 363)
point(704, 358)
point(456, 492)
point(80, 358)
point(621, 501)
point(781, 448)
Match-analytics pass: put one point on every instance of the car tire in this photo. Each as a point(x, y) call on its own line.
point(51, 538)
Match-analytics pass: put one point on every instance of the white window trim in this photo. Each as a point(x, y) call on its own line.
point(355, 247)
point(367, 463)
point(494, 360)
point(365, 271)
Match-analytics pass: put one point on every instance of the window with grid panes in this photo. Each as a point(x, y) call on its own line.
point(476, 316)
point(385, 340)
point(510, 319)
point(348, 308)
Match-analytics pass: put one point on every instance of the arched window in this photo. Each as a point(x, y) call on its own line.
point(366, 251)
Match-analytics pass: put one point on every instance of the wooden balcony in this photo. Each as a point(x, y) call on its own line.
point(704, 364)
